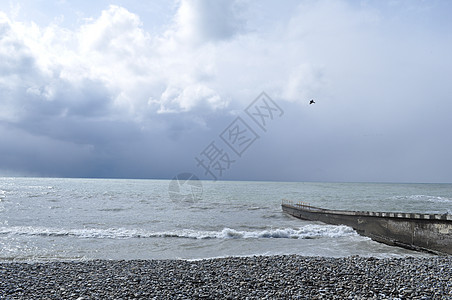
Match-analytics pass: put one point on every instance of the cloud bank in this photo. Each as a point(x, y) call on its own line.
point(108, 98)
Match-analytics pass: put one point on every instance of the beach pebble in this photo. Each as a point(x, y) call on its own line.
point(258, 277)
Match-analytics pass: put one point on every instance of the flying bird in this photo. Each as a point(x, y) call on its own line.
point(311, 102)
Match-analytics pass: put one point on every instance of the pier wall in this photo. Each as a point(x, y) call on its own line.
point(425, 232)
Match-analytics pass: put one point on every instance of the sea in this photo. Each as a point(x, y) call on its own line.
point(48, 219)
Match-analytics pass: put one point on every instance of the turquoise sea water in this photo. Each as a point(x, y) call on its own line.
point(78, 219)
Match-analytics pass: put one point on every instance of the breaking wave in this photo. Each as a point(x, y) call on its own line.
point(306, 232)
point(428, 198)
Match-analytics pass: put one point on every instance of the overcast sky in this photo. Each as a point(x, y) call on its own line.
point(133, 89)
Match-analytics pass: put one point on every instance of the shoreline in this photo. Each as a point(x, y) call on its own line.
point(255, 277)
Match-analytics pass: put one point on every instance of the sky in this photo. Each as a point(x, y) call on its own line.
point(153, 89)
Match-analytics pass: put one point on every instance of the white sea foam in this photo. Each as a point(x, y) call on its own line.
point(305, 232)
point(439, 199)
point(429, 198)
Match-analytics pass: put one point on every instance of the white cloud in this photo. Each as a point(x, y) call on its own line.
point(199, 21)
point(116, 32)
point(112, 50)
point(173, 98)
point(188, 67)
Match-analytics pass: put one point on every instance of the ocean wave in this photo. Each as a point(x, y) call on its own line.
point(439, 199)
point(257, 208)
point(427, 198)
point(40, 187)
point(116, 209)
point(309, 231)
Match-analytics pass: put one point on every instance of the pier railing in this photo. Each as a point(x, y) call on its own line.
point(301, 204)
point(400, 215)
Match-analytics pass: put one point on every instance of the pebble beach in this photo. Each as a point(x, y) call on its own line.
point(256, 277)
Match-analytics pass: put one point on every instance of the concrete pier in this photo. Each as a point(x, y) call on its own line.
point(416, 231)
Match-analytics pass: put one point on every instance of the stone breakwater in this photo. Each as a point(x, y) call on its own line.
point(259, 277)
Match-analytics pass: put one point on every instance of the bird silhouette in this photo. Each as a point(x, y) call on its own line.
point(311, 102)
